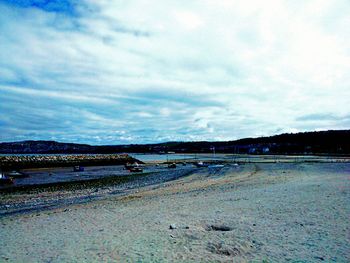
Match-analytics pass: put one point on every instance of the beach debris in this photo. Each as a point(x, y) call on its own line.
point(319, 258)
point(221, 248)
point(218, 228)
point(176, 226)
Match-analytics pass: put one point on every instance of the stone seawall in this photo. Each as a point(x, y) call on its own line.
point(41, 161)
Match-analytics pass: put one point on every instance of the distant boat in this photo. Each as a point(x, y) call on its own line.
point(15, 174)
point(136, 169)
point(4, 180)
point(200, 164)
point(78, 168)
point(128, 166)
point(172, 165)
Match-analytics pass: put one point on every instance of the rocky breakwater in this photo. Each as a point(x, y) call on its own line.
point(40, 161)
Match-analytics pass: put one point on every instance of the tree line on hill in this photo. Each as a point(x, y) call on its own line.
point(322, 142)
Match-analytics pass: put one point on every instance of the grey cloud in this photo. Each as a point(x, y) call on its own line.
point(322, 117)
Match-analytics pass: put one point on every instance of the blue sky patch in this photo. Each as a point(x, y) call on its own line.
point(58, 6)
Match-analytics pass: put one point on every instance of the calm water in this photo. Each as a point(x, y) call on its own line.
point(161, 157)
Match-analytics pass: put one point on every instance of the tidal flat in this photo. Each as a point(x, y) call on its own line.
point(253, 212)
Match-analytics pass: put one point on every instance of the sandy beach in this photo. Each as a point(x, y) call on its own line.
point(265, 212)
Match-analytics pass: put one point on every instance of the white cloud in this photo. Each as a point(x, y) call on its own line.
point(188, 20)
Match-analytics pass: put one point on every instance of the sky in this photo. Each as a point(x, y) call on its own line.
point(149, 71)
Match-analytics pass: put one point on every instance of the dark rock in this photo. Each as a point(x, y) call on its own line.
point(218, 228)
point(320, 258)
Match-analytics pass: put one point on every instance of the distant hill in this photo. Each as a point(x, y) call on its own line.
point(323, 142)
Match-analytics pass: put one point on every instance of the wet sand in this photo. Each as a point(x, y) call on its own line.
point(44, 176)
point(276, 212)
point(38, 192)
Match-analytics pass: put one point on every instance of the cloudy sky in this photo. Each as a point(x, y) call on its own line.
point(120, 72)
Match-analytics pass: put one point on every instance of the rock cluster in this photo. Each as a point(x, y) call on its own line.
point(32, 161)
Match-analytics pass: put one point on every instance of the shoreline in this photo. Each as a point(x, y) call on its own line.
point(25, 198)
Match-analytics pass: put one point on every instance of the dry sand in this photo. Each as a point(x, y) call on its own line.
point(255, 212)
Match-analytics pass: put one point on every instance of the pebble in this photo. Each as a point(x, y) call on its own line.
point(174, 226)
point(320, 258)
point(218, 228)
